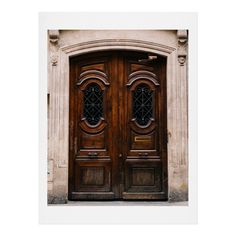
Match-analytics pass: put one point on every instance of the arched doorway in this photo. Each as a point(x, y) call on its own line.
point(118, 126)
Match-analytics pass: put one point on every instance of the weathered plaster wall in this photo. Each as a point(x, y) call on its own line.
point(62, 44)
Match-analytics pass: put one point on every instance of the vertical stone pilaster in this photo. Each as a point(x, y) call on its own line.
point(178, 180)
point(56, 164)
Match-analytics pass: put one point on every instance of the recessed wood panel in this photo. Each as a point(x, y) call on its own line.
point(92, 176)
point(92, 141)
point(143, 176)
point(93, 67)
point(136, 67)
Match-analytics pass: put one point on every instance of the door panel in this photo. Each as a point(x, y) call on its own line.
point(145, 177)
point(92, 176)
point(92, 156)
point(117, 127)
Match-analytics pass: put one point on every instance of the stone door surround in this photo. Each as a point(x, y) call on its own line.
point(58, 108)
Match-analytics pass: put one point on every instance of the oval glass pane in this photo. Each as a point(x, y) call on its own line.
point(93, 104)
point(142, 104)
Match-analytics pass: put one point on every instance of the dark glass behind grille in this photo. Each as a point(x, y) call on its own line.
point(93, 104)
point(142, 104)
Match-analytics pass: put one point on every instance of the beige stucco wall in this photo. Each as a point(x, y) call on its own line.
point(64, 43)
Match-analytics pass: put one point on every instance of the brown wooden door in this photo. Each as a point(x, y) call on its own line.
point(118, 133)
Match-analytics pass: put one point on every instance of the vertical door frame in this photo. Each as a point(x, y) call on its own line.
point(177, 124)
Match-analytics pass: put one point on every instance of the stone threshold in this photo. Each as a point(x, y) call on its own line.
point(121, 203)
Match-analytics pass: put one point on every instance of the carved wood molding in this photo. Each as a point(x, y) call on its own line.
point(182, 46)
point(93, 130)
point(142, 75)
point(87, 75)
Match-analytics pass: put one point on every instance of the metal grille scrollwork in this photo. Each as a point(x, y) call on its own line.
point(93, 104)
point(142, 104)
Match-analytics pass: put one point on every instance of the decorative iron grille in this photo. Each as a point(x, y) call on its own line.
point(142, 104)
point(93, 104)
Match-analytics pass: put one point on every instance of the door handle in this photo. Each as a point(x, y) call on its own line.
point(120, 155)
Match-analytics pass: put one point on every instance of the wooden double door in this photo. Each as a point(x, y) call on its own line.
point(118, 133)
